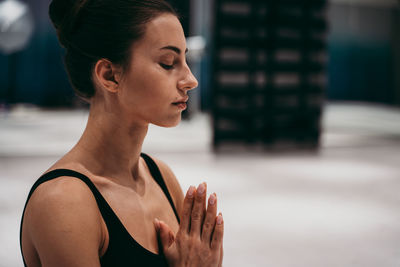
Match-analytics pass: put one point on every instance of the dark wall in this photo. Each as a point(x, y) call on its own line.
point(36, 74)
point(361, 54)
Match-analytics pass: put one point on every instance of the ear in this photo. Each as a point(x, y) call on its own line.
point(108, 75)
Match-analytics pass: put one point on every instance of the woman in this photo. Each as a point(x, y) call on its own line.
point(105, 203)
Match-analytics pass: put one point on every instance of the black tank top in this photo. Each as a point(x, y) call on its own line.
point(122, 249)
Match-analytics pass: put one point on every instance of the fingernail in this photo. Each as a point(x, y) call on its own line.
point(201, 188)
point(212, 199)
point(219, 218)
point(190, 191)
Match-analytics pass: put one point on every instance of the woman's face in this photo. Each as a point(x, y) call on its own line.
point(158, 75)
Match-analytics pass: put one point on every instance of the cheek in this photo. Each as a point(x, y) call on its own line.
point(148, 90)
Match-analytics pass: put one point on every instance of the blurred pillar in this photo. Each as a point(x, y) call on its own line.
point(12, 78)
point(183, 8)
point(201, 25)
point(195, 16)
point(396, 54)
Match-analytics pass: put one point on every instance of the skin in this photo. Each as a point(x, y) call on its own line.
point(59, 230)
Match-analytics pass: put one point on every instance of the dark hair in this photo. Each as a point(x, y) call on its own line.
point(90, 30)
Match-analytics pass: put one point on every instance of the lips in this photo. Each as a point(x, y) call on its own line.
point(181, 101)
point(181, 105)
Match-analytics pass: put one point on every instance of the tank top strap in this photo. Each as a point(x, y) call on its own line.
point(104, 208)
point(155, 172)
point(110, 218)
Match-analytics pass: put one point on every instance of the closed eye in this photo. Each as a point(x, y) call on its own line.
point(166, 66)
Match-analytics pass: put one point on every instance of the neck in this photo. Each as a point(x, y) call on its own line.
point(110, 146)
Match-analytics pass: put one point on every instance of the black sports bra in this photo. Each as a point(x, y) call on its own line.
point(122, 249)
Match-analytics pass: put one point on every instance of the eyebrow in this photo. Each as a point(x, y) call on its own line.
point(173, 48)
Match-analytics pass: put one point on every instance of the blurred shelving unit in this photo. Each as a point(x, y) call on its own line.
point(269, 75)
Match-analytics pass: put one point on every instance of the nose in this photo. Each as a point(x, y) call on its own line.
point(188, 81)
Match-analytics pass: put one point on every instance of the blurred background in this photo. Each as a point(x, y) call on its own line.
point(295, 124)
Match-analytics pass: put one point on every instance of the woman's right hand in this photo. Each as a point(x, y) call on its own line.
point(198, 242)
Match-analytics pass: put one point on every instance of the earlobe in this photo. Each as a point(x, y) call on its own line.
point(107, 75)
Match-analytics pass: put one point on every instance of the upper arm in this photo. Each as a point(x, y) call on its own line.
point(63, 224)
point(172, 184)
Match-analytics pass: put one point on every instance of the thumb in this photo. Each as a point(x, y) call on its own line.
point(164, 233)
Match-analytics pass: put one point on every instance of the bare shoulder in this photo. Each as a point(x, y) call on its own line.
point(60, 189)
point(60, 195)
point(63, 224)
point(172, 183)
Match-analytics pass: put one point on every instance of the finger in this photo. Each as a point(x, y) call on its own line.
point(218, 233)
point(187, 210)
point(199, 207)
point(164, 233)
point(221, 256)
point(209, 221)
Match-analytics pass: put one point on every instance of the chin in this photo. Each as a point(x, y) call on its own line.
point(169, 123)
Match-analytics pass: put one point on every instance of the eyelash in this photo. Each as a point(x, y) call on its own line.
point(167, 67)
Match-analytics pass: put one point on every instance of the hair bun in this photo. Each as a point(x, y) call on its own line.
point(64, 15)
